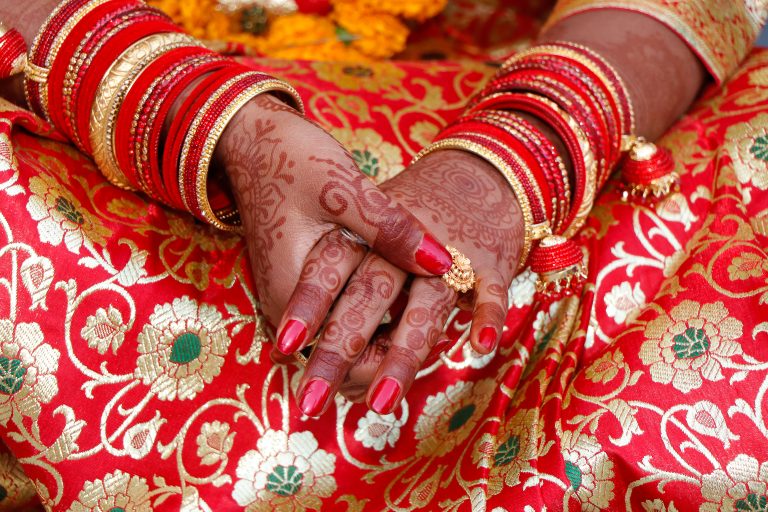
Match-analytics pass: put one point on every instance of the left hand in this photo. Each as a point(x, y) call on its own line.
point(468, 204)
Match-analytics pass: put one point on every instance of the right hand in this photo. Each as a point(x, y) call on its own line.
point(296, 187)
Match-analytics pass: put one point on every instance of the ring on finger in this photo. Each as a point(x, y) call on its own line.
point(353, 237)
point(460, 277)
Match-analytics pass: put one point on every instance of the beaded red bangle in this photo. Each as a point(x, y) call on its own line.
point(13, 52)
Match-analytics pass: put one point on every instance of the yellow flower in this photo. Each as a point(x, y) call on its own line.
point(418, 10)
point(116, 491)
point(690, 344)
point(182, 348)
point(377, 35)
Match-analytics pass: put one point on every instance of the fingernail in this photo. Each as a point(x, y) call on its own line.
point(385, 396)
point(314, 396)
point(487, 339)
point(433, 257)
point(434, 354)
point(291, 337)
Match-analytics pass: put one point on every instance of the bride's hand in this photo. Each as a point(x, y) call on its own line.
point(296, 187)
point(467, 204)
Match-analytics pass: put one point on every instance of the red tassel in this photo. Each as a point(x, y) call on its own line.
point(559, 263)
point(648, 171)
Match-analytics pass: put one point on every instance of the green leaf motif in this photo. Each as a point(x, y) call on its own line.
point(285, 480)
point(186, 348)
point(68, 210)
point(753, 503)
point(573, 473)
point(461, 417)
point(759, 148)
point(11, 375)
point(507, 451)
point(691, 344)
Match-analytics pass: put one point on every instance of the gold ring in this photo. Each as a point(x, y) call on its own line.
point(460, 276)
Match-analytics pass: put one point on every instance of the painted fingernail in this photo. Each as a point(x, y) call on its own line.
point(385, 395)
point(487, 339)
point(314, 396)
point(291, 337)
point(434, 354)
point(433, 257)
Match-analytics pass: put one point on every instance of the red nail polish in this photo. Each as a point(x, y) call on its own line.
point(314, 396)
point(433, 257)
point(385, 395)
point(291, 337)
point(434, 354)
point(488, 339)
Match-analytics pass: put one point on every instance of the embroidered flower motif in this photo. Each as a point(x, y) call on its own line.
point(116, 492)
point(510, 451)
point(690, 343)
point(15, 487)
point(623, 302)
point(372, 77)
point(105, 329)
point(745, 266)
point(605, 368)
point(214, 442)
point(37, 276)
point(377, 158)
point(182, 348)
point(61, 217)
point(140, 438)
point(285, 472)
point(27, 368)
point(675, 208)
point(588, 470)
point(545, 325)
point(748, 148)
point(376, 431)
point(522, 289)
point(743, 485)
point(127, 208)
point(7, 158)
point(449, 417)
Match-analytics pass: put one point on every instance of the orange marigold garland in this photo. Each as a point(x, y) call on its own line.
point(340, 30)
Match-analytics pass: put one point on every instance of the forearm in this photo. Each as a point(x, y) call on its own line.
point(662, 74)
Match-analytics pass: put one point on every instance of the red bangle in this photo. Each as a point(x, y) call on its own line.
point(13, 53)
point(128, 124)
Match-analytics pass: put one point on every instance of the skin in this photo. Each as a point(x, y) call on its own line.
point(293, 200)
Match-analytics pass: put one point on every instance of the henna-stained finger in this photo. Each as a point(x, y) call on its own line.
point(490, 311)
point(431, 301)
point(326, 270)
point(354, 320)
point(350, 199)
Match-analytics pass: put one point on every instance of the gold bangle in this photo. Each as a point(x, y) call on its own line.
point(105, 106)
point(505, 170)
point(40, 73)
point(227, 220)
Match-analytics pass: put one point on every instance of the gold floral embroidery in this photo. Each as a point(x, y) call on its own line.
point(377, 431)
point(746, 266)
point(450, 416)
point(285, 472)
point(27, 370)
point(214, 442)
point(606, 367)
point(354, 77)
point(377, 158)
point(61, 217)
point(588, 471)
point(748, 147)
point(690, 344)
point(182, 348)
point(743, 485)
point(117, 491)
point(105, 329)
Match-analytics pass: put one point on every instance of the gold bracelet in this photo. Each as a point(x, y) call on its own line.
point(105, 106)
point(489, 156)
point(227, 220)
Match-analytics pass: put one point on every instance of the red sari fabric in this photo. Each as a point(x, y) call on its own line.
point(134, 376)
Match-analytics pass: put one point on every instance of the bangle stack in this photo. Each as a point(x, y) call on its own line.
point(583, 99)
point(107, 74)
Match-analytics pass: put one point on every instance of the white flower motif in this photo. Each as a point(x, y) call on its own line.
point(105, 329)
point(182, 348)
point(742, 486)
point(624, 302)
point(27, 370)
point(37, 276)
point(285, 472)
point(116, 491)
point(376, 431)
point(522, 289)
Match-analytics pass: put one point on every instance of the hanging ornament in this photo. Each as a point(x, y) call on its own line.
point(648, 171)
point(559, 264)
point(13, 52)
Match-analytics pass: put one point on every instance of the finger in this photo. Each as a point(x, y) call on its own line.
point(327, 268)
point(353, 321)
point(490, 312)
point(416, 335)
point(361, 375)
point(353, 201)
